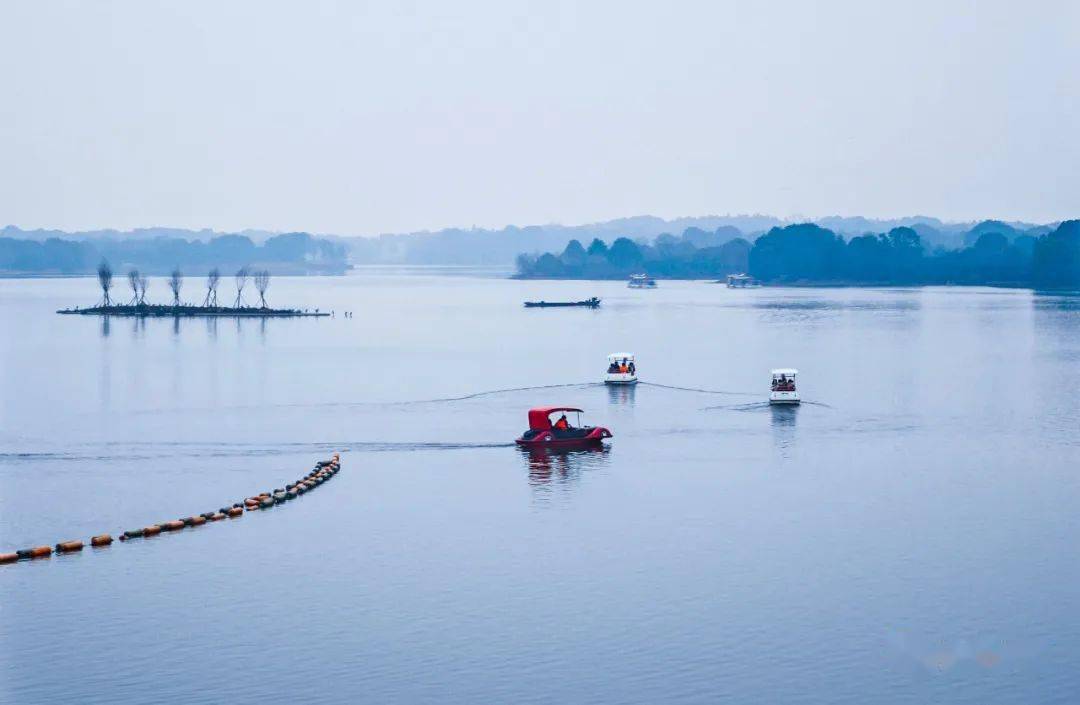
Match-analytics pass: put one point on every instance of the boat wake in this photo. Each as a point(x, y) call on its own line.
point(477, 395)
point(158, 451)
point(382, 404)
point(699, 390)
point(760, 405)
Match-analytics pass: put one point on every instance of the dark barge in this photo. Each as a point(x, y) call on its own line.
point(587, 303)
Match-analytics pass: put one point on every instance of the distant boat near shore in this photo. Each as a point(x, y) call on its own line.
point(741, 281)
point(594, 302)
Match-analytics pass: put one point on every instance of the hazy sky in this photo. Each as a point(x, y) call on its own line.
point(357, 119)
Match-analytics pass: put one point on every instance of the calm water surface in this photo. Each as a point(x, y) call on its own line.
point(909, 536)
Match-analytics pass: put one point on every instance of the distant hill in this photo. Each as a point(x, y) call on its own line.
point(494, 247)
point(485, 246)
point(288, 253)
point(204, 235)
point(481, 246)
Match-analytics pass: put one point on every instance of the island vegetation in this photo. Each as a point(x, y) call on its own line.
point(138, 306)
point(810, 254)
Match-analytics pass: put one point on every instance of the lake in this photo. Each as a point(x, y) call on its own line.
point(908, 535)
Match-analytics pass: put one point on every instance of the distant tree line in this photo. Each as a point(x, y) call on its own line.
point(486, 246)
point(292, 252)
point(695, 255)
point(810, 254)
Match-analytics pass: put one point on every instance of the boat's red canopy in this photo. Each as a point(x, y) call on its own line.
point(540, 417)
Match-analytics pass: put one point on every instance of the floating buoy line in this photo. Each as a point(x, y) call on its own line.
point(323, 471)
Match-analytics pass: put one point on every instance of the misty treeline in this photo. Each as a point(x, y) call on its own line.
point(479, 246)
point(810, 254)
point(289, 253)
point(695, 255)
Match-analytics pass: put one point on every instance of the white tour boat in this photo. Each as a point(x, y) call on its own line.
point(621, 369)
point(641, 281)
point(783, 387)
point(741, 281)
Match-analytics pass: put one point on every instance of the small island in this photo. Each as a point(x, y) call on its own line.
point(190, 310)
point(138, 306)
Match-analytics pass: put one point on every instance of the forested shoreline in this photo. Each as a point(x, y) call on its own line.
point(291, 253)
point(808, 254)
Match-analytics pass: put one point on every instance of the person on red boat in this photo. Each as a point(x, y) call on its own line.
point(562, 424)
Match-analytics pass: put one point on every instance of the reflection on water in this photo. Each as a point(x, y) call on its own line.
point(621, 393)
point(138, 325)
point(814, 309)
point(796, 305)
point(1056, 300)
point(783, 424)
point(562, 466)
point(856, 305)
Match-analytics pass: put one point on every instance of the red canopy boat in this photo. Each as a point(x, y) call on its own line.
point(546, 434)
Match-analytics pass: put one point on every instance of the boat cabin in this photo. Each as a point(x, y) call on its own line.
point(621, 369)
point(641, 281)
point(740, 281)
point(540, 418)
point(783, 389)
point(543, 431)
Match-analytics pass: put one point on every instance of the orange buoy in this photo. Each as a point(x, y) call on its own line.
point(218, 516)
point(69, 546)
point(41, 551)
point(198, 521)
point(8, 557)
point(101, 540)
point(151, 531)
point(238, 512)
point(175, 525)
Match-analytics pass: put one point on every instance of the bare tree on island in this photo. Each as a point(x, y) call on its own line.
point(142, 288)
point(133, 280)
point(176, 280)
point(262, 283)
point(104, 275)
point(211, 287)
point(241, 280)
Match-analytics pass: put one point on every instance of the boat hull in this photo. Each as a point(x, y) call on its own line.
point(618, 378)
point(588, 303)
point(547, 439)
point(783, 397)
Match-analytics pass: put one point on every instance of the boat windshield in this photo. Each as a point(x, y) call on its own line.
point(556, 416)
point(783, 383)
